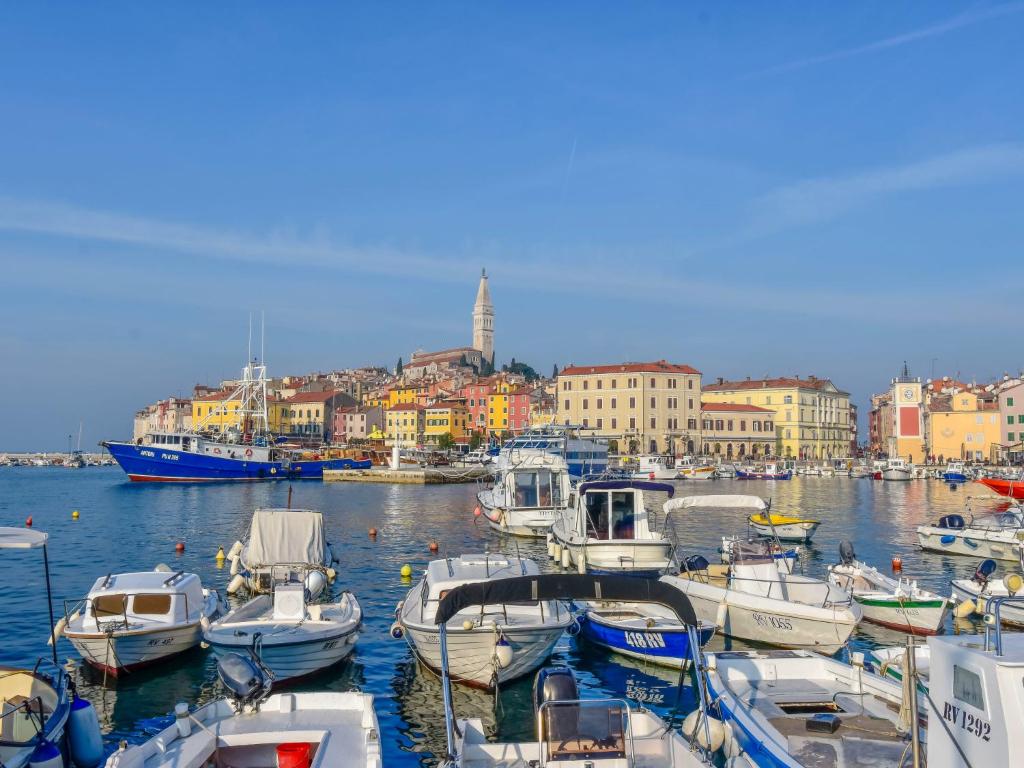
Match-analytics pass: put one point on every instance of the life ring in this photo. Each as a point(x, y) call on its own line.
point(216, 450)
point(248, 452)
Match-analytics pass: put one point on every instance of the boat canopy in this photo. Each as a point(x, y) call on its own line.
point(619, 485)
point(21, 538)
point(720, 500)
point(565, 586)
point(286, 536)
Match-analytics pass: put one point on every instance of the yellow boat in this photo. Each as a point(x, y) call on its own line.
point(784, 527)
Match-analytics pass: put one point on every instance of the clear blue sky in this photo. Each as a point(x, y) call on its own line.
point(750, 188)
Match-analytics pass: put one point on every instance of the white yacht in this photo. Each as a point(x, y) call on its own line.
point(897, 469)
point(132, 620)
point(529, 495)
point(651, 467)
point(609, 530)
point(488, 645)
point(689, 468)
point(283, 545)
point(996, 536)
point(254, 729)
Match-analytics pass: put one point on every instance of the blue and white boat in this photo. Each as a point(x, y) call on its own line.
point(248, 453)
point(585, 456)
point(955, 472)
point(646, 631)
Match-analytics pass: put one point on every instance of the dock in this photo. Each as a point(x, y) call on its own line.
point(413, 475)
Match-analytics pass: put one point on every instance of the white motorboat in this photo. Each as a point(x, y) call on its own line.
point(252, 729)
point(291, 636)
point(974, 595)
point(608, 530)
point(574, 732)
point(132, 620)
point(894, 603)
point(975, 694)
point(529, 495)
point(652, 467)
point(283, 545)
point(782, 527)
point(891, 662)
point(996, 536)
point(797, 709)
point(689, 468)
point(488, 646)
point(753, 598)
point(898, 469)
point(725, 470)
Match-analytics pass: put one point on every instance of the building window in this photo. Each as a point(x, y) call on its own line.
point(1020, 418)
point(789, 434)
point(743, 425)
point(586, 385)
point(689, 383)
point(615, 424)
point(632, 423)
point(600, 385)
point(653, 385)
point(653, 422)
point(600, 403)
point(632, 402)
point(585, 423)
point(654, 403)
point(1009, 401)
point(1009, 436)
point(600, 423)
point(691, 423)
point(719, 424)
point(614, 403)
point(1009, 419)
point(567, 405)
point(586, 404)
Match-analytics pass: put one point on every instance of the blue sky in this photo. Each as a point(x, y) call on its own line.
point(786, 188)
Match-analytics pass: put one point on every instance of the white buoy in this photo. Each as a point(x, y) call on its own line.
point(581, 562)
point(551, 545)
point(181, 719)
point(730, 745)
point(503, 652)
point(566, 558)
point(556, 552)
point(46, 755)
point(204, 623)
point(58, 629)
point(84, 734)
point(720, 617)
point(236, 583)
point(331, 574)
point(694, 729)
point(236, 549)
point(315, 582)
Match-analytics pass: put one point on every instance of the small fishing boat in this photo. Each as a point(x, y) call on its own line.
point(765, 472)
point(132, 620)
point(645, 631)
point(283, 545)
point(891, 662)
point(725, 470)
point(651, 467)
point(976, 594)
point(783, 527)
point(1013, 488)
point(688, 468)
point(253, 728)
point(575, 732)
point(797, 709)
point(529, 495)
point(489, 645)
point(955, 472)
point(897, 469)
point(894, 603)
point(787, 557)
point(997, 536)
point(291, 637)
point(609, 530)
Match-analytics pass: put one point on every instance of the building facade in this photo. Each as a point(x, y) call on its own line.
point(961, 426)
point(737, 431)
point(405, 425)
point(811, 416)
point(446, 418)
point(213, 413)
point(642, 407)
point(357, 422)
point(171, 415)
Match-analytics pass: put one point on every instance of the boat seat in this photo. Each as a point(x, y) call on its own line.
point(315, 612)
point(715, 574)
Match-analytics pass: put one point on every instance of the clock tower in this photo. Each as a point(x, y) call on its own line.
point(907, 441)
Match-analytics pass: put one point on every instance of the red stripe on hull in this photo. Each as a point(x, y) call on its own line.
point(901, 627)
point(156, 479)
point(118, 671)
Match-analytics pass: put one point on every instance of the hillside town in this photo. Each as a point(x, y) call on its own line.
point(458, 399)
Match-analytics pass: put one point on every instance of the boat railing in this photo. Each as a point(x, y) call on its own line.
point(777, 589)
point(614, 743)
point(111, 621)
point(993, 624)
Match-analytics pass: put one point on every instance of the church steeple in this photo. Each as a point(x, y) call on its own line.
point(483, 320)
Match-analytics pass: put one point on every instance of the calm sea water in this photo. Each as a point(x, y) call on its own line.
point(125, 526)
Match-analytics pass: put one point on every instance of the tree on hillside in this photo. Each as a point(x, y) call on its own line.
point(398, 368)
point(524, 370)
point(554, 372)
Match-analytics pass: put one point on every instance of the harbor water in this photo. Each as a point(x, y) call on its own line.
point(125, 526)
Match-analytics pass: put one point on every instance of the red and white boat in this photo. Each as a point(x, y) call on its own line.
point(1011, 488)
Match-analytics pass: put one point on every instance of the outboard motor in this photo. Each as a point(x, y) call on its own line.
point(985, 569)
point(245, 678)
point(846, 553)
point(953, 522)
point(695, 563)
point(561, 722)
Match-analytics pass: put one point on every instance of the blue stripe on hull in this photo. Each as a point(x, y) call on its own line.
point(670, 645)
point(954, 477)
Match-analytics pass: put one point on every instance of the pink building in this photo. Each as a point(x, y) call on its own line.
point(476, 396)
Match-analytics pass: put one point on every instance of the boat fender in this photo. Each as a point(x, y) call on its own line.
point(58, 628)
point(236, 549)
point(566, 557)
point(965, 609)
point(503, 652)
point(396, 630)
point(235, 566)
point(331, 574)
point(721, 615)
point(1013, 583)
point(204, 623)
point(551, 546)
point(693, 729)
point(46, 755)
point(181, 720)
point(236, 583)
point(162, 568)
point(731, 746)
point(574, 627)
point(581, 563)
point(84, 734)
point(315, 582)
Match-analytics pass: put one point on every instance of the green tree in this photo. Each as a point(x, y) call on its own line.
point(398, 368)
point(445, 442)
point(475, 440)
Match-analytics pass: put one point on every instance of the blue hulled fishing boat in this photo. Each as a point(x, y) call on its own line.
point(642, 631)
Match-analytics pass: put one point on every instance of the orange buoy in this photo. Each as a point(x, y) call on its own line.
point(373, 533)
point(650, 476)
point(28, 521)
point(433, 546)
point(179, 547)
point(897, 563)
point(477, 511)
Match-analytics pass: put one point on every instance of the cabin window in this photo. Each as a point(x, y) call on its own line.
point(622, 515)
point(151, 605)
point(526, 489)
point(597, 515)
point(108, 605)
point(967, 687)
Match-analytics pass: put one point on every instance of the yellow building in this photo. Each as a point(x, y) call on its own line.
point(406, 393)
point(214, 413)
point(404, 425)
point(959, 427)
point(446, 418)
point(812, 416)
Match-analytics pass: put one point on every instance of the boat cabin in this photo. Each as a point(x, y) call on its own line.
point(150, 597)
point(539, 481)
point(612, 510)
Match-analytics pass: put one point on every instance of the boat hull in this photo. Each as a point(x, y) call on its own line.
point(954, 541)
point(897, 474)
point(801, 532)
point(298, 659)
point(954, 477)
point(1011, 488)
point(127, 651)
point(968, 589)
point(918, 617)
point(742, 475)
point(624, 558)
point(532, 523)
point(665, 646)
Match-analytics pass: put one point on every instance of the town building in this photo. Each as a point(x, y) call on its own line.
point(508, 410)
point(356, 422)
point(307, 416)
point(1011, 419)
point(737, 431)
point(475, 395)
point(171, 415)
point(405, 425)
point(961, 426)
point(213, 412)
point(450, 418)
point(639, 407)
point(811, 416)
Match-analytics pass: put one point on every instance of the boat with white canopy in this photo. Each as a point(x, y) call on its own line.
point(491, 644)
point(997, 536)
point(529, 495)
point(608, 530)
point(283, 545)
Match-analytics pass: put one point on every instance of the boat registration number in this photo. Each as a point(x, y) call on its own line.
point(645, 640)
point(772, 622)
point(960, 717)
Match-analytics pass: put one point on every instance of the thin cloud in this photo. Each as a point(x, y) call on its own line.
point(959, 21)
point(825, 198)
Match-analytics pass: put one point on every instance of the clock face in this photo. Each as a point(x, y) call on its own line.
point(908, 394)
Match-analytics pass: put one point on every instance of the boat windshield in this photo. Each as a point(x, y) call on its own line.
point(537, 488)
point(584, 730)
point(610, 515)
